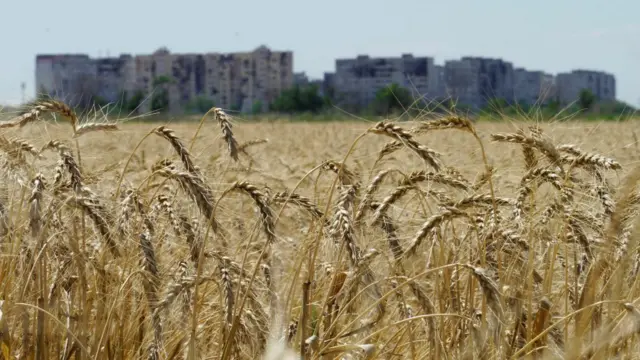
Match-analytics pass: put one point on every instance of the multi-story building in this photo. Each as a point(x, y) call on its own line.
point(300, 79)
point(115, 77)
point(474, 81)
point(356, 81)
point(601, 84)
point(440, 84)
point(242, 81)
point(533, 87)
point(234, 81)
point(461, 82)
point(69, 76)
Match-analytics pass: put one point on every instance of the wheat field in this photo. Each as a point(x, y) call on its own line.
point(223, 239)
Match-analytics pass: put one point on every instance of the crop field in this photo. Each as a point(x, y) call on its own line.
point(224, 239)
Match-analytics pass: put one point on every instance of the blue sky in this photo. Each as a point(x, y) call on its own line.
point(553, 36)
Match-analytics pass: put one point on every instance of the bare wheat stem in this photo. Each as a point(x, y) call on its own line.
point(151, 283)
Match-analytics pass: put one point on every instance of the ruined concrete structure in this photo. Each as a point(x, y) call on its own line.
point(246, 81)
point(236, 81)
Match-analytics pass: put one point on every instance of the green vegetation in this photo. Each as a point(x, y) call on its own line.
point(160, 98)
point(309, 103)
point(392, 99)
point(199, 105)
point(299, 100)
point(587, 99)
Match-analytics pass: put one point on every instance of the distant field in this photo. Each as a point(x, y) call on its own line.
point(402, 259)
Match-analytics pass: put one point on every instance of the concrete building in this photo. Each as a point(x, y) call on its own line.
point(601, 84)
point(440, 85)
point(300, 79)
point(533, 87)
point(356, 81)
point(461, 82)
point(231, 81)
point(474, 81)
point(241, 81)
point(115, 77)
point(68, 76)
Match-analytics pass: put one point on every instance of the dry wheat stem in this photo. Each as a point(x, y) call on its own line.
point(225, 126)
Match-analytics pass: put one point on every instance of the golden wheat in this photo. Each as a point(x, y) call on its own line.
point(472, 249)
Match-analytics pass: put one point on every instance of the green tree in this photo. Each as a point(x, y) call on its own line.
point(496, 106)
point(391, 99)
point(257, 107)
point(199, 105)
point(160, 98)
point(299, 99)
point(586, 99)
point(553, 106)
point(162, 80)
point(132, 103)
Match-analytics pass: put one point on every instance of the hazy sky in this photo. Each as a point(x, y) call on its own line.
point(549, 35)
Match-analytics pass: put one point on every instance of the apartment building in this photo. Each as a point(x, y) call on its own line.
point(533, 87)
point(461, 82)
point(115, 77)
point(241, 81)
point(474, 81)
point(601, 84)
point(356, 81)
point(300, 79)
point(69, 76)
point(232, 81)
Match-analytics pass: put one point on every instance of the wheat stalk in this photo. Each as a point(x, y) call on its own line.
point(225, 126)
point(404, 137)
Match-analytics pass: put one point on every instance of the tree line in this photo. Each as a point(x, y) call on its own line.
point(392, 99)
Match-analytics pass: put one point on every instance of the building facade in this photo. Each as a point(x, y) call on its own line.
point(474, 81)
point(533, 87)
point(238, 81)
point(246, 81)
point(68, 76)
point(601, 84)
point(356, 81)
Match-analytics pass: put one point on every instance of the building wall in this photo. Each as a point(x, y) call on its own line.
point(533, 87)
point(68, 76)
point(115, 76)
point(356, 81)
point(232, 81)
point(461, 82)
point(475, 81)
point(238, 81)
point(601, 84)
